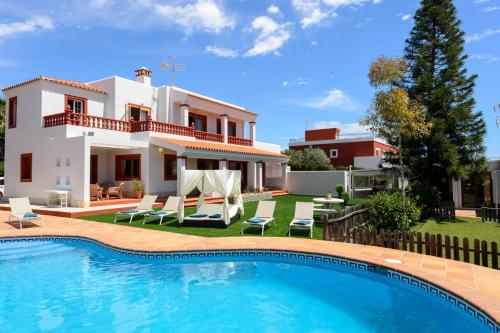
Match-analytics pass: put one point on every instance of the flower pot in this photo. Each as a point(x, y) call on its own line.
point(138, 194)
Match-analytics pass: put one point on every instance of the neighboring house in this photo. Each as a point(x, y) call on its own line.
point(363, 151)
point(473, 194)
point(66, 135)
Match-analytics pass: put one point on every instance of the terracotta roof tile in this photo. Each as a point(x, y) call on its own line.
point(215, 146)
point(58, 81)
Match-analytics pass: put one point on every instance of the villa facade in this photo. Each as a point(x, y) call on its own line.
point(67, 135)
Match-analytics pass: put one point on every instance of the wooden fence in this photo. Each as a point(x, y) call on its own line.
point(350, 226)
point(444, 210)
point(490, 214)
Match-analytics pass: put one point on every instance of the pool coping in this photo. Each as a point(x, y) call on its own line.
point(152, 241)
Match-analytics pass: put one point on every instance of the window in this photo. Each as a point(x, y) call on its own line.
point(334, 153)
point(138, 112)
point(231, 127)
point(169, 167)
point(377, 151)
point(204, 164)
point(26, 167)
point(128, 167)
point(197, 121)
point(76, 104)
point(12, 112)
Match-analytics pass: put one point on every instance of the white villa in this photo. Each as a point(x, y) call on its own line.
point(67, 135)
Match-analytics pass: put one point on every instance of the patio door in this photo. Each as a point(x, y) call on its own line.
point(241, 166)
point(93, 169)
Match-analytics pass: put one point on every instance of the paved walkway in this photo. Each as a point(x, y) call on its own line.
point(479, 285)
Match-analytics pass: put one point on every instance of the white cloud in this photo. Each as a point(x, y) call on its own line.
point(406, 17)
point(272, 36)
point(490, 9)
point(220, 51)
point(314, 43)
point(345, 128)
point(285, 83)
point(481, 35)
point(335, 98)
point(343, 3)
point(480, 1)
point(34, 24)
point(487, 57)
point(100, 3)
point(205, 15)
point(273, 10)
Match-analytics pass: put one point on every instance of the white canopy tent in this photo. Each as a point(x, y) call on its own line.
point(225, 183)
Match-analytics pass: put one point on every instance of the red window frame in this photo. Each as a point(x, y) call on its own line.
point(13, 112)
point(169, 162)
point(119, 160)
point(26, 168)
point(75, 98)
point(203, 118)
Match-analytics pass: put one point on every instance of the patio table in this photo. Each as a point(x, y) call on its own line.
point(327, 204)
point(62, 197)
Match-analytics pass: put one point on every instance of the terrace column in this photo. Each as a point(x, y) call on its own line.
point(181, 166)
point(284, 176)
point(251, 179)
point(224, 125)
point(222, 164)
point(258, 176)
point(184, 115)
point(252, 131)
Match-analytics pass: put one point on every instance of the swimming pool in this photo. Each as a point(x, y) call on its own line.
point(74, 284)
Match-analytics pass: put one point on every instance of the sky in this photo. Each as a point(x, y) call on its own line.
point(297, 63)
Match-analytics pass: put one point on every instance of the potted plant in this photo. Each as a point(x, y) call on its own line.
point(138, 188)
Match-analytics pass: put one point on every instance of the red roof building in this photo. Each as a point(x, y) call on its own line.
point(359, 150)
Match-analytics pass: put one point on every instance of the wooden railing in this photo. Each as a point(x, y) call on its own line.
point(490, 214)
point(71, 118)
point(444, 210)
point(349, 218)
point(233, 140)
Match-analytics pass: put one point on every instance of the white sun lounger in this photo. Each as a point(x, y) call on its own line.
point(263, 216)
point(144, 207)
point(304, 217)
point(170, 208)
point(20, 209)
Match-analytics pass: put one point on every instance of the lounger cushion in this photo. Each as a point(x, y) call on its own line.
point(159, 213)
point(215, 216)
point(198, 216)
point(256, 220)
point(30, 215)
point(302, 222)
point(132, 211)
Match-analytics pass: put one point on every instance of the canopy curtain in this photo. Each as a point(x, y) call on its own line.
point(224, 180)
point(236, 191)
point(190, 179)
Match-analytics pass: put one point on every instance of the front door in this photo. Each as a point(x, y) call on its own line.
point(241, 166)
point(93, 169)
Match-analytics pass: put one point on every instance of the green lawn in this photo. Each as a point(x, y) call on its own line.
point(283, 214)
point(462, 227)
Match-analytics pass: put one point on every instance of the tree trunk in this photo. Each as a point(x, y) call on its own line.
point(401, 164)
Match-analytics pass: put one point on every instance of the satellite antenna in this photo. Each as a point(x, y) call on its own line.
point(172, 67)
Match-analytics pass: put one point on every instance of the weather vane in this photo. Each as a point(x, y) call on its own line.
point(172, 67)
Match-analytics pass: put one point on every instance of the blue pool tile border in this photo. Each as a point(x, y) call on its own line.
point(293, 256)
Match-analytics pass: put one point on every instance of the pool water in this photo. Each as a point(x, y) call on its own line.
point(70, 287)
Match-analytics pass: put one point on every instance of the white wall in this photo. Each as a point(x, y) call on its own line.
point(316, 182)
point(367, 162)
point(268, 146)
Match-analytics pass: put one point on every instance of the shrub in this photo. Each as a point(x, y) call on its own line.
point(424, 196)
point(340, 190)
point(392, 211)
point(345, 196)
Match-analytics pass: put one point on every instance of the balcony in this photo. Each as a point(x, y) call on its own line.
point(75, 119)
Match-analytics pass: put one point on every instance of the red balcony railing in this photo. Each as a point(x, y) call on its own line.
point(71, 118)
point(239, 141)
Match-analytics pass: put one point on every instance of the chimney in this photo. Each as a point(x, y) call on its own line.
point(322, 134)
point(143, 75)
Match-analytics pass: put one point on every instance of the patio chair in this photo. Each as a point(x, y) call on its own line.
point(171, 207)
point(144, 207)
point(304, 217)
point(95, 192)
point(20, 209)
point(116, 191)
point(263, 216)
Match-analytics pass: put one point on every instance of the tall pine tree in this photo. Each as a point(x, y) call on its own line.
point(439, 79)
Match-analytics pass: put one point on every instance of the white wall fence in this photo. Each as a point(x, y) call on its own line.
point(316, 182)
